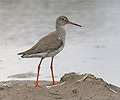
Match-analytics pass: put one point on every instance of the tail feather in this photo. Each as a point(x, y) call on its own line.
point(21, 53)
point(25, 54)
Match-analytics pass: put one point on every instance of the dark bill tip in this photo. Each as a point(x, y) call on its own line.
point(74, 24)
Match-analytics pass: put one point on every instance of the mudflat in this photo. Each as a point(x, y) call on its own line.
point(92, 88)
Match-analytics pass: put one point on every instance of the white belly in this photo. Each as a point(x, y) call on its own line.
point(52, 54)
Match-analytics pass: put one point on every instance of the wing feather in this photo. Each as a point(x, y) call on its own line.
point(46, 44)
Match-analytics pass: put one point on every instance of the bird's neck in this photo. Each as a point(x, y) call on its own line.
point(60, 30)
point(60, 27)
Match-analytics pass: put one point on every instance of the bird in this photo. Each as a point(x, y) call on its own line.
point(49, 46)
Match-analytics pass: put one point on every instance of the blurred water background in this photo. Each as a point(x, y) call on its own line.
point(94, 48)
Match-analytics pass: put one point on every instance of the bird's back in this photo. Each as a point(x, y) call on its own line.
point(48, 44)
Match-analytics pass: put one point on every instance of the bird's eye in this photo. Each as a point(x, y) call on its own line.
point(62, 18)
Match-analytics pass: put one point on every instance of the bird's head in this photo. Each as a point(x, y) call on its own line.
point(62, 21)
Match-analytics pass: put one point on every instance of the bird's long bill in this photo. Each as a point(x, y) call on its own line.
point(73, 24)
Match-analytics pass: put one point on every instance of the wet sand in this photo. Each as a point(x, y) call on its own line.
point(91, 88)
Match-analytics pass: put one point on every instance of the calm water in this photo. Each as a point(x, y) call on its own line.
point(94, 48)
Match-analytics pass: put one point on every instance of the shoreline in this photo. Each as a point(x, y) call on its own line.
point(92, 88)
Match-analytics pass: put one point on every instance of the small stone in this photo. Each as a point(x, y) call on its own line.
point(1, 88)
point(74, 91)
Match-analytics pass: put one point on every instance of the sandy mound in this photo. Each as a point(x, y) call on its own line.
point(91, 88)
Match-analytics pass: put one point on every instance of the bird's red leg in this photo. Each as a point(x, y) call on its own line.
point(53, 82)
point(36, 83)
point(52, 71)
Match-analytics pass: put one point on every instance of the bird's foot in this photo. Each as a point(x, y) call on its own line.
point(54, 83)
point(36, 85)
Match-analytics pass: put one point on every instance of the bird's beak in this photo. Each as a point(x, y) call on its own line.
point(73, 24)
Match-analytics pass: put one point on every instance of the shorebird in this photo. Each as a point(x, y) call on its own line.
point(49, 46)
